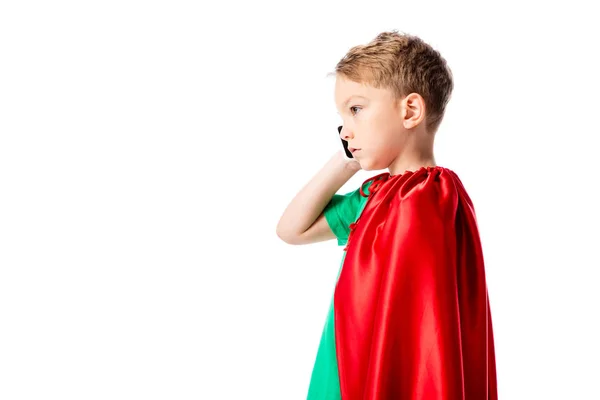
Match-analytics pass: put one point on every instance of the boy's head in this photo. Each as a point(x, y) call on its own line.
point(405, 86)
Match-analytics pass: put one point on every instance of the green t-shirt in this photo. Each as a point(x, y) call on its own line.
point(344, 209)
point(340, 212)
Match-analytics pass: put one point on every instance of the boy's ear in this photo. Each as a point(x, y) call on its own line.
point(413, 110)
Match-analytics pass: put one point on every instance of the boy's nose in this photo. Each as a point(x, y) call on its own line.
point(344, 132)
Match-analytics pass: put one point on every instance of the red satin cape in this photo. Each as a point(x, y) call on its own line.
point(412, 317)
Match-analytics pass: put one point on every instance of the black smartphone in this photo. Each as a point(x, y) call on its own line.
point(344, 143)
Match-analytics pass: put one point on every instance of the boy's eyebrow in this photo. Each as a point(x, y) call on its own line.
point(351, 97)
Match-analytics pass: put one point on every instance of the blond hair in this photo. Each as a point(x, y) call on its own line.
point(405, 64)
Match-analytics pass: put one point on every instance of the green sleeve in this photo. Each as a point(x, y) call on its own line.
point(341, 211)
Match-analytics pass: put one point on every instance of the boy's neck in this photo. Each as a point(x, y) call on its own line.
point(399, 170)
point(411, 162)
point(417, 152)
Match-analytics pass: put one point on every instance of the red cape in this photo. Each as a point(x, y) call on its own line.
point(412, 318)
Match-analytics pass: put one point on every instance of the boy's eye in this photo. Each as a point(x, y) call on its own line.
point(354, 107)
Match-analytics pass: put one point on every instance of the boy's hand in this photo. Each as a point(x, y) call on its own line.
point(303, 221)
point(350, 164)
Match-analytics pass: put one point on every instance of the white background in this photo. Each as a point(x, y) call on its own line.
point(148, 149)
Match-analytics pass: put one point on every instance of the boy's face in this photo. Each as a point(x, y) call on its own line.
point(372, 122)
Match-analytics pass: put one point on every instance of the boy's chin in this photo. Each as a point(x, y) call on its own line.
point(366, 165)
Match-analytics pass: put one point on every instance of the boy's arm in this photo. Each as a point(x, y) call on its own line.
point(303, 220)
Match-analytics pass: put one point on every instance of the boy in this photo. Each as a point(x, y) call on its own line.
point(409, 318)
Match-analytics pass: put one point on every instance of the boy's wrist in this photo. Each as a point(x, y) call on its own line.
point(351, 165)
point(346, 163)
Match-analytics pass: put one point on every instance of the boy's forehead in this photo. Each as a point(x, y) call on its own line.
point(346, 90)
point(348, 87)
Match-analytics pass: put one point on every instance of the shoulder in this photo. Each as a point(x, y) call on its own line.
point(428, 188)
